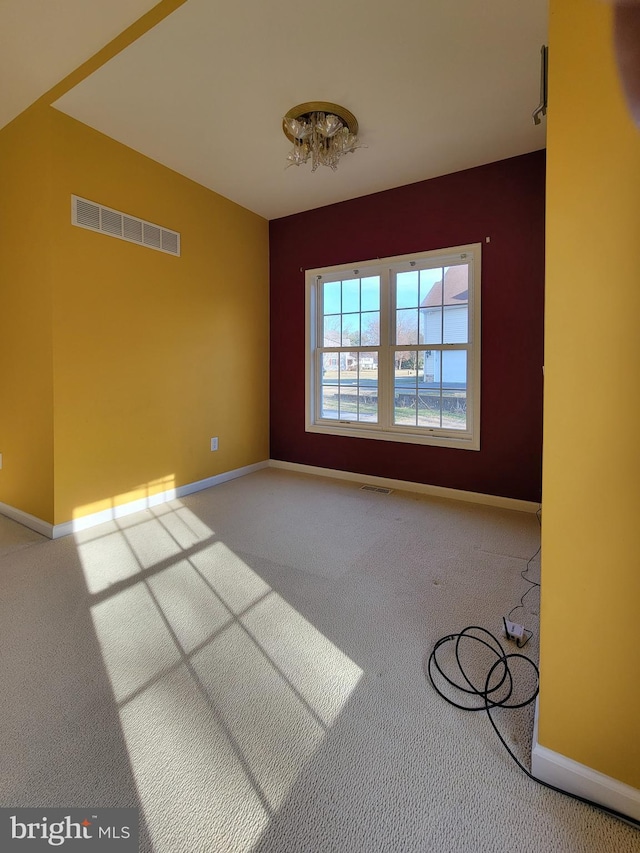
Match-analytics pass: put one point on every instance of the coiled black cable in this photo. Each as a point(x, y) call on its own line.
point(497, 692)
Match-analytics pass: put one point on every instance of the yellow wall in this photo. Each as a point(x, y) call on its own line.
point(26, 379)
point(120, 362)
point(153, 354)
point(590, 654)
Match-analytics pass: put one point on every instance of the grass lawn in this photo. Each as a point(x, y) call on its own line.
point(367, 410)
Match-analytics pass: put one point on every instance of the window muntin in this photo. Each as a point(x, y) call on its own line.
point(350, 311)
point(350, 386)
point(393, 349)
point(349, 317)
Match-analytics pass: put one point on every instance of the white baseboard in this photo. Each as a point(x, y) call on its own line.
point(95, 518)
point(569, 775)
point(27, 520)
point(84, 522)
point(87, 521)
point(409, 486)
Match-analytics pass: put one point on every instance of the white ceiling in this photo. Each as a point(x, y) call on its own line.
point(41, 41)
point(436, 86)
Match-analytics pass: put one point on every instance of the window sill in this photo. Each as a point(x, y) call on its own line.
point(461, 442)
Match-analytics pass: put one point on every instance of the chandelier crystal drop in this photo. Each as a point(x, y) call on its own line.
point(321, 133)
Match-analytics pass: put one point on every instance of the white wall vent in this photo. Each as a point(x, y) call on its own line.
point(97, 217)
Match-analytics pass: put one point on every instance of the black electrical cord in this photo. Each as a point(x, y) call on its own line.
point(497, 695)
point(533, 585)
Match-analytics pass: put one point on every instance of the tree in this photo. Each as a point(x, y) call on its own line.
point(406, 333)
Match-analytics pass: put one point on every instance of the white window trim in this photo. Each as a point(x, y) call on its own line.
point(470, 438)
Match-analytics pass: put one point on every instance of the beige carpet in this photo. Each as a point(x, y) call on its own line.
point(246, 665)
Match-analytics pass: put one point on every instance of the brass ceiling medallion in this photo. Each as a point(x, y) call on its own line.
point(321, 132)
point(303, 111)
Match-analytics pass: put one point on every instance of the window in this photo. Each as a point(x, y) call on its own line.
point(393, 349)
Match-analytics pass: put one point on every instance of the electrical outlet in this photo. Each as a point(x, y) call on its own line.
point(214, 443)
point(513, 630)
point(0, 460)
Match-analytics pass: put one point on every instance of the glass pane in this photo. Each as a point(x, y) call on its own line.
point(429, 407)
point(433, 287)
point(407, 289)
point(350, 386)
point(368, 364)
point(331, 297)
point(344, 320)
point(368, 407)
point(456, 304)
point(331, 332)
point(456, 284)
point(454, 369)
point(431, 307)
point(351, 295)
point(330, 376)
point(454, 409)
point(405, 387)
point(427, 280)
point(351, 329)
point(437, 368)
point(454, 389)
point(348, 403)
point(431, 367)
point(429, 404)
point(407, 326)
point(368, 387)
point(370, 335)
point(370, 293)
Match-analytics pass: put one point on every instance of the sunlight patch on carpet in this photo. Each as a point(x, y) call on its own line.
point(225, 691)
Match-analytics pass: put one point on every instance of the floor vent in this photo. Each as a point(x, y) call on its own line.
point(376, 489)
point(97, 217)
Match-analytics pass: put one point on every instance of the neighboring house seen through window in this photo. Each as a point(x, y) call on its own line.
point(393, 348)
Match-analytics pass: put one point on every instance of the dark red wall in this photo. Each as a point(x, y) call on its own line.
point(503, 201)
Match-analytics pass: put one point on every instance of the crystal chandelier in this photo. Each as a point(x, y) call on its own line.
point(320, 132)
